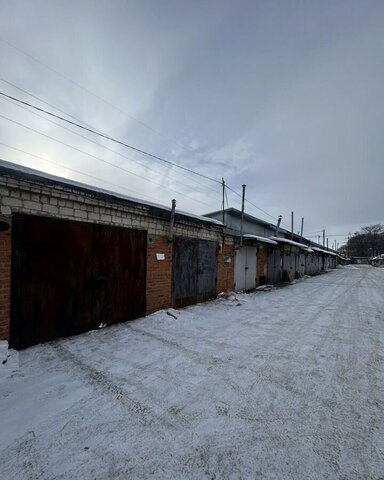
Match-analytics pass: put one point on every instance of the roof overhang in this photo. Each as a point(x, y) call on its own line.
point(260, 239)
point(294, 244)
point(327, 252)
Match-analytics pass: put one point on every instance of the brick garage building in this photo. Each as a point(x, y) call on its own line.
point(74, 258)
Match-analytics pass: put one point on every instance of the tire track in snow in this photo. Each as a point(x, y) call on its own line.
point(101, 381)
point(27, 462)
point(271, 373)
point(146, 415)
point(368, 358)
point(262, 374)
point(31, 458)
point(349, 442)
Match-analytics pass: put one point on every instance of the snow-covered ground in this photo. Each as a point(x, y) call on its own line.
point(281, 384)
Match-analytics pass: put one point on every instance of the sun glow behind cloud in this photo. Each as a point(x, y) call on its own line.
point(287, 100)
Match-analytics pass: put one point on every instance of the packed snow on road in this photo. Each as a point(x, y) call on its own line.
point(286, 383)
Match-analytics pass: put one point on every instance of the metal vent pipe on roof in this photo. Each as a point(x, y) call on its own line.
point(242, 216)
point(302, 229)
point(172, 221)
point(278, 225)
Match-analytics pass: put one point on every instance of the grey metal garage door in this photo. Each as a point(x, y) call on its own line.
point(194, 271)
point(274, 266)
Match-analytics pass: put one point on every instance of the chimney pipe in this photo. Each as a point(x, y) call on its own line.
point(172, 221)
point(242, 216)
point(278, 225)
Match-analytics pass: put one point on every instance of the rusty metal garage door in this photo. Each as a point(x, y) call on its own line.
point(194, 271)
point(71, 277)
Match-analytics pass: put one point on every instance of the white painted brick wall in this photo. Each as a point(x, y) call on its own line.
point(6, 210)
point(64, 202)
point(66, 212)
point(50, 209)
point(29, 205)
point(12, 202)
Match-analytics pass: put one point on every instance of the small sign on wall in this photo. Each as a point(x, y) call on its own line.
point(227, 259)
point(160, 256)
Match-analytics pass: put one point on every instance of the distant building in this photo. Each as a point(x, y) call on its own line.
point(360, 260)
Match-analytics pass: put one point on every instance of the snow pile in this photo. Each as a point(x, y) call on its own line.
point(228, 296)
point(9, 361)
point(3, 351)
point(265, 288)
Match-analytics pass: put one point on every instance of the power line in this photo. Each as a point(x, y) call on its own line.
point(330, 235)
point(118, 142)
point(43, 101)
point(317, 231)
point(255, 206)
point(91, 130)
point(101, 159)
point(107, 137)
point(94, 131)
point(75, 118)
point(102, 99)
point(90, 140)
point(73, 170)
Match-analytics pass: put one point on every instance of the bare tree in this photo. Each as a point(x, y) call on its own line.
point(366, 243)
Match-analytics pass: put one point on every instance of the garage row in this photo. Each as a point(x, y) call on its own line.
point(70, 277)
point(273, 260)
point(74, 258)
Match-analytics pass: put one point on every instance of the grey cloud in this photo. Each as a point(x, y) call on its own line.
point(283, 96)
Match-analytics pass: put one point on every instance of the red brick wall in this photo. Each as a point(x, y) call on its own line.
point(225, 271)
point(5, 283)
point(159, 273)
point(159, 276)
point(262, 264)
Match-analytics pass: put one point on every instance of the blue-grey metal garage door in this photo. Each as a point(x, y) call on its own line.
point(194, 271)
point(274, 266)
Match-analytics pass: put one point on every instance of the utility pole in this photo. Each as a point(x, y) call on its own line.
point(327, 244)
point(223, 204)
point(302, 229)
point(242, 216)
point(291, 225)
point(324, 237)
point(318, 239)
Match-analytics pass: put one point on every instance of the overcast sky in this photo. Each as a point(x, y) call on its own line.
point(284, 96)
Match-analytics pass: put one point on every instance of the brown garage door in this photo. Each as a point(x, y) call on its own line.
point(71, 277)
